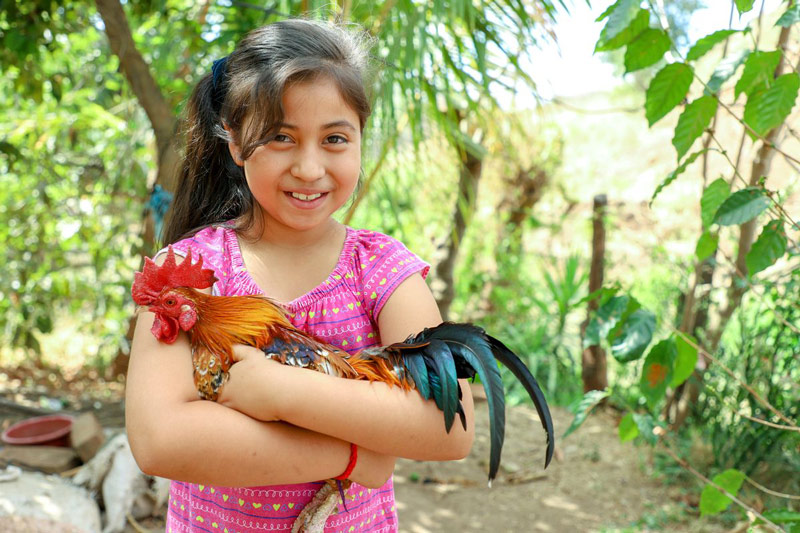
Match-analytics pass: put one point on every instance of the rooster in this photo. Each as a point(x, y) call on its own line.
point(430, 362)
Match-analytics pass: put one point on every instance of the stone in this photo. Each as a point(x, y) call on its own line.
point(34, 503)
point(86, 436)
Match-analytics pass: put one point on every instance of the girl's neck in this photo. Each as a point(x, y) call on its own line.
point(287, 265)
point(267, 234)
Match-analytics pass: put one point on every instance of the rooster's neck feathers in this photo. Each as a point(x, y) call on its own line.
point(223, 321)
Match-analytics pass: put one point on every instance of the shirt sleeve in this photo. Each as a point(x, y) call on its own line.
point(385, 264)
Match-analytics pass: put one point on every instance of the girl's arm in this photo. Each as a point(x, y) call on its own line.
point(372, 415)
point(176, 435)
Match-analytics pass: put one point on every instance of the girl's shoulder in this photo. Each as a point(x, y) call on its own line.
point(373, 247)
point(379, 263)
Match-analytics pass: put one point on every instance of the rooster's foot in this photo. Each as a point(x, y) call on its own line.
point(314, 515)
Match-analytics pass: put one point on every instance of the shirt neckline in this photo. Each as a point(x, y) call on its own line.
point(314, 294)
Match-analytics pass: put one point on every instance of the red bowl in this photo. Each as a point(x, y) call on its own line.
point(48, 430)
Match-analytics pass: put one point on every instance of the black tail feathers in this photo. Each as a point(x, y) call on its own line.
point(437, 357)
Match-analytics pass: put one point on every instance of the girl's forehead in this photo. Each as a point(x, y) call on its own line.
point(318, 100)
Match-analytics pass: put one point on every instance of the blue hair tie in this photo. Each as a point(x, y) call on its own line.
point(218, 69)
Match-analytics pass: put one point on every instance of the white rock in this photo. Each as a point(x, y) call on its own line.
point(50, 497)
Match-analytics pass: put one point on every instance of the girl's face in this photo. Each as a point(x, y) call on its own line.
point(311, 167)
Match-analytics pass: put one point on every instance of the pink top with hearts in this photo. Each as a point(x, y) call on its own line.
point(342, 311)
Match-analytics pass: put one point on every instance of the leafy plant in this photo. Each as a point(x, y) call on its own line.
point(741, 390)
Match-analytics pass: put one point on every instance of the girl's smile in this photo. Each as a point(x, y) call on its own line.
point(309, 169)
point(307, 200)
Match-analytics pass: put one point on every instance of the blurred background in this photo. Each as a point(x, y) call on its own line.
point(610, 187)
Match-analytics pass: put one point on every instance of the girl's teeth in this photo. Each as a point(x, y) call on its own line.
point(306, 197)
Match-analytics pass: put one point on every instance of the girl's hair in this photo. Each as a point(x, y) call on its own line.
point(247, 97)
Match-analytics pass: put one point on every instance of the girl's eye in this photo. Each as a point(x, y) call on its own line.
point(336, 139)
point(281, 138)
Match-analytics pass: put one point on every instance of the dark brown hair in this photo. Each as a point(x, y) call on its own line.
point(247, 97)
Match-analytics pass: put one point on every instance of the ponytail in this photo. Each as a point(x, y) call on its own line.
point(211, 188)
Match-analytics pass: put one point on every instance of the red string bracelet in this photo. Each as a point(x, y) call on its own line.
point(351, 464)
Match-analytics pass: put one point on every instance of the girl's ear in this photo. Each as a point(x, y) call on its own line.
point(236, 153)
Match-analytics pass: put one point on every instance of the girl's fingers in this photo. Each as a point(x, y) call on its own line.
point(242, 352)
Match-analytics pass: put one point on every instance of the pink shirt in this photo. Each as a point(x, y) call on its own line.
point(342, 311)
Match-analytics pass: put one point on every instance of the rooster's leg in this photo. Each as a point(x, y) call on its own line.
point(314, 515)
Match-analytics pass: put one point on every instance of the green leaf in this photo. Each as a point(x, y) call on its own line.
point(637, 26)
point(744, 5)
point(713, 197)
point(677, 172)
point(635, 335)
point(607, 12)
point(584, 407)
point(646, 425)
point(768, 248)
point(779, 516)
point(605, 318)
point(712, 500)
point(703, 45)
point(657, 371)
point(741, 206)
point(791, 16)
point(646, 49)
point(620, 16)
point(685, 361)
point(759, 69)
point(693, 122)
point(628, 430)
point(726, 68)
point(769, 108)
point(667, 89)
point(706, 245)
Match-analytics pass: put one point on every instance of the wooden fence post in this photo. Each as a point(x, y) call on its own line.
point(594, 357)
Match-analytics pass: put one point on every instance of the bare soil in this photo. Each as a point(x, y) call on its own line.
point(595, 483)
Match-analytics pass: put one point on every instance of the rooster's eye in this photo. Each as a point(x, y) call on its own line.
point(170, 302)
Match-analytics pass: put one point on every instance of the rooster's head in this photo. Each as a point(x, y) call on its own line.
point(166, 291)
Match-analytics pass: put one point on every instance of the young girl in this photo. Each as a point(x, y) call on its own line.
point(273, 150)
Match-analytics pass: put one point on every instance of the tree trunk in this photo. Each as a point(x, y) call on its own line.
point(144, 86)
point(162, 119)
point(594, 357)
point(470, 175)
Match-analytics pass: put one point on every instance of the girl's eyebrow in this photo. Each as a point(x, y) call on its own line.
point(335, 124)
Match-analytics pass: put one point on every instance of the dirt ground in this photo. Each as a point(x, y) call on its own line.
point(594, 484)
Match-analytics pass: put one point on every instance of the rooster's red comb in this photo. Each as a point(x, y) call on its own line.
point(153, 279)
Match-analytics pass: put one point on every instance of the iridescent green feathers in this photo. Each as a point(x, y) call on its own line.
point(437, 357)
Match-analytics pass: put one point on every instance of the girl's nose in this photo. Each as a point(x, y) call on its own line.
point(307, 167)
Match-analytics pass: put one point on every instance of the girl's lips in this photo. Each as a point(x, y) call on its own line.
point(306, 204)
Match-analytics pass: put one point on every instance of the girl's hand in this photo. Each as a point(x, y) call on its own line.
point(251, 386)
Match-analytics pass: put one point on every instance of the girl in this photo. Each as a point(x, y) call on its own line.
point(274, 149)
